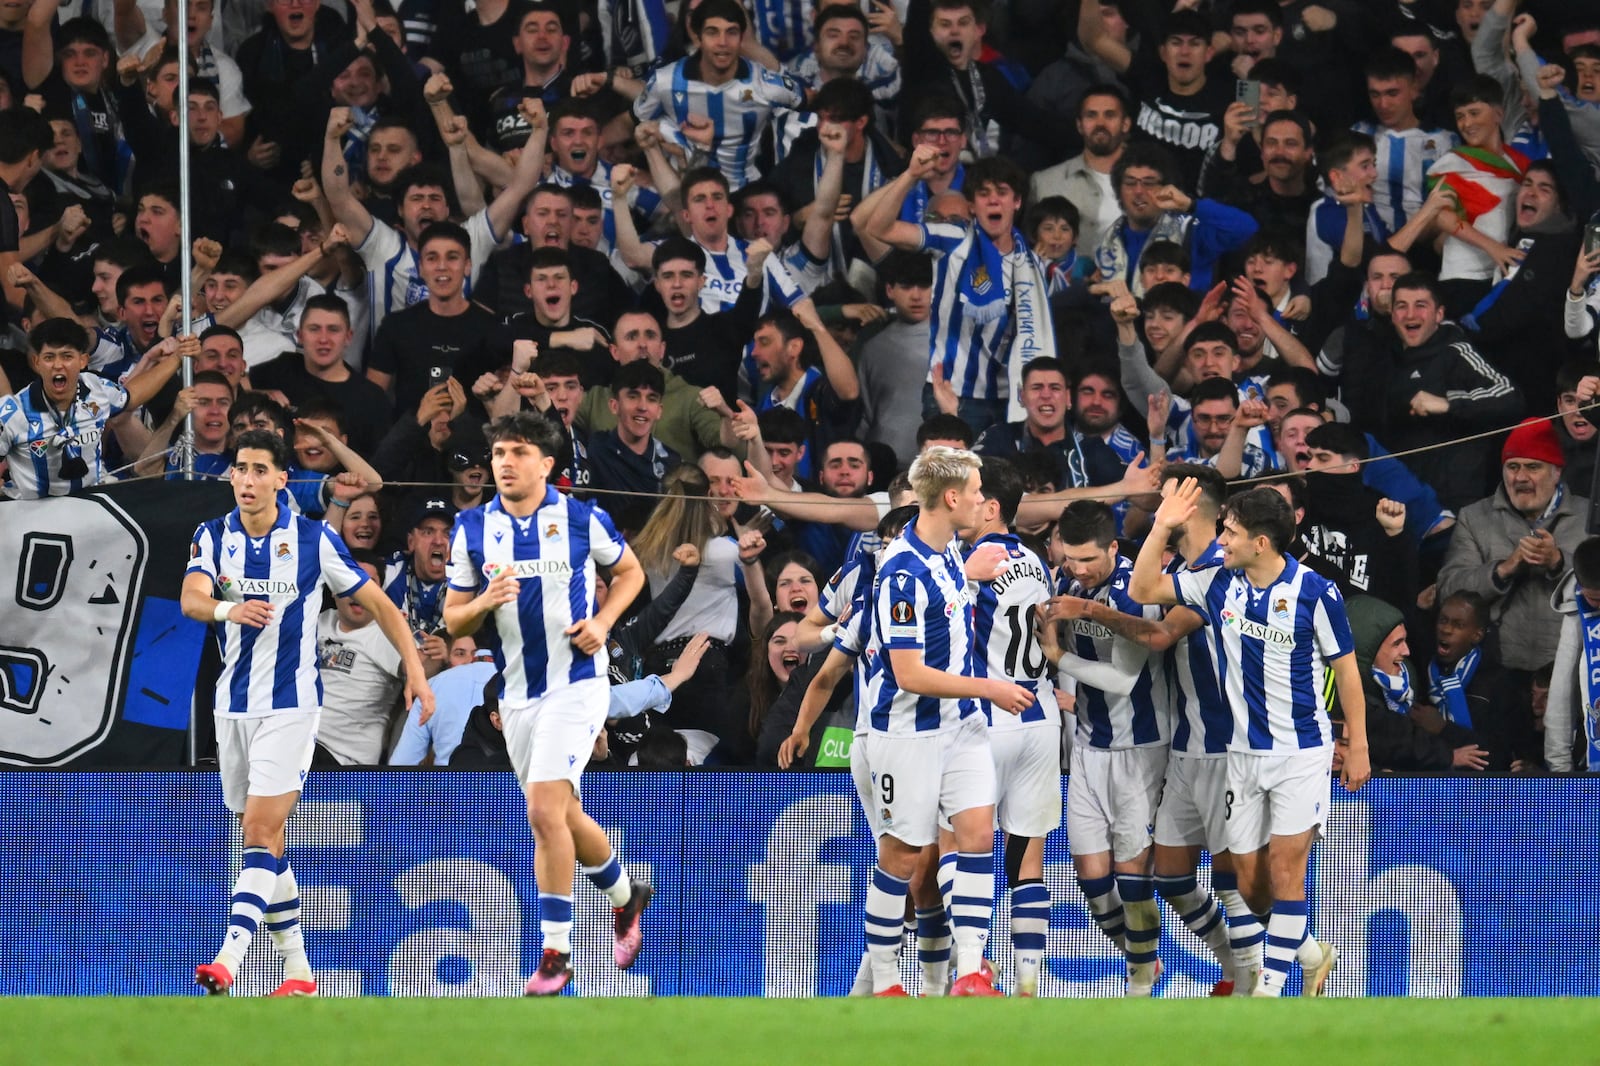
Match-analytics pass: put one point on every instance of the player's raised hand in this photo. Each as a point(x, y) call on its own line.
point(587, 635)
point(1179, 505)
point(257, 614)
point(987, 562)
point(1008, 696)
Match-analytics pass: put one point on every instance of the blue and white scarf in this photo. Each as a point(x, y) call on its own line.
point(1589, 674)
point(1397, 693)
point(979, 269)
point(1449, 691)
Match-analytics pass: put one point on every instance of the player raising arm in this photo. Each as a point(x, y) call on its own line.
point(257, 574)
point(1281, 630)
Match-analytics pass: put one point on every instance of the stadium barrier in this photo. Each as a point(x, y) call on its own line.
point(421, 884)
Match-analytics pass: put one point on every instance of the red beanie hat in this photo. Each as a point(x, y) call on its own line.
point(1534, 438)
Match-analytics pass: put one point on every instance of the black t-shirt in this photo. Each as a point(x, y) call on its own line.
point(366, 408)
point(526, 326)
point(480, 58)
point(1186, 125)
point(410, 342)
point(707, 351)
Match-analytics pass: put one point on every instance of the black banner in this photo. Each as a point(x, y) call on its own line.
point(97, 663)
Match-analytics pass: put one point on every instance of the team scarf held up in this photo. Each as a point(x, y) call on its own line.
point(1589, 672)
point(979, 268)
point(1449, 691)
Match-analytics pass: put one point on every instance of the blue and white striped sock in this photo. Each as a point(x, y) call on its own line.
point(947, 891)
point(1199, 911)
point(1245, 934)
point(1105, 905)
point(1286, 930)
point(971, 908)
point(1143, 916)
point(885, 914)
point(1030, 921)
point(555, 922)
point(283, 922)
point(933, 949)
point(609, 878)
point(258, 876)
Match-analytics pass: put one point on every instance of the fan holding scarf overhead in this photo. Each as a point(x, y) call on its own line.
point(991, 313)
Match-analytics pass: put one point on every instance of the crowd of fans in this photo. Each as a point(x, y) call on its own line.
point(753, 258)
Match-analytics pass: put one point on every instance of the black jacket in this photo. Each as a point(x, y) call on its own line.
point(1480, 398)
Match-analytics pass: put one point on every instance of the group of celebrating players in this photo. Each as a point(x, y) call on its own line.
point(1201, 673)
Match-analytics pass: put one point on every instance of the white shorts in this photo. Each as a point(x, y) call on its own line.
point(266, 756)
point(862, 776)
point(1276, 795)
point(1194, 810)
point(1027, 779)
point(913, 779)
point(1111, 799)
point(552, 737)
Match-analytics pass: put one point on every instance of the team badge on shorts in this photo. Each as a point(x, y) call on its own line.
point(886, 818)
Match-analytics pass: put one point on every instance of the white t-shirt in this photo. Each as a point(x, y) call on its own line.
point(361, 676)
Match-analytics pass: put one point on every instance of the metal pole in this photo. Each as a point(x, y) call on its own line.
point(185, 250)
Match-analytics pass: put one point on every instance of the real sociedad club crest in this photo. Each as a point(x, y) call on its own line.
point(981, 280)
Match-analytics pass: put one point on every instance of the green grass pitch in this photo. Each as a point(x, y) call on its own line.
point(394, 1032)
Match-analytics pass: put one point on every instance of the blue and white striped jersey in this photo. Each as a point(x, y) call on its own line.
point(919, 603)
point(725, 274)
point(974, 354)
point(1002, 626)
point(35, 438)
point(272, 670)
point(552, 554)
point(1109, 720)
point(1203, 724)
point(392, 281)
point(644, 201)
point(739, 109)
point(1274, 645)
point(1404, 157)
point(847, 584)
